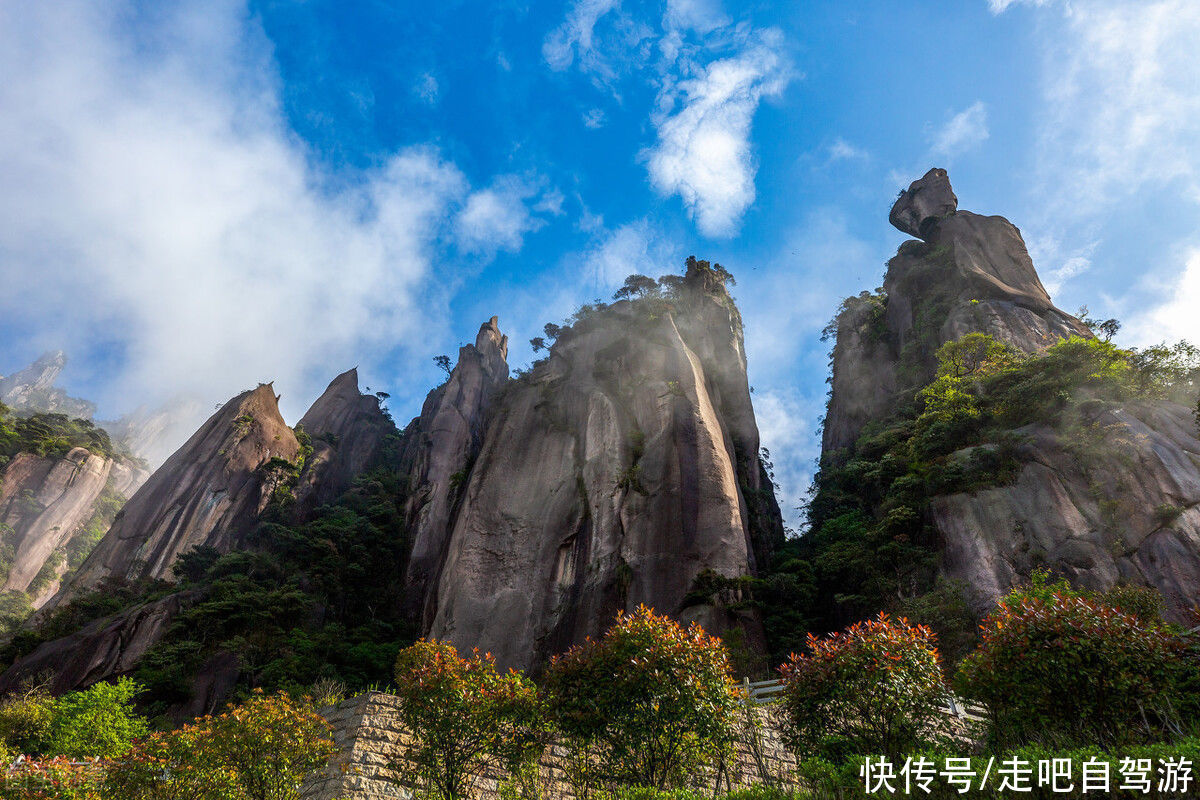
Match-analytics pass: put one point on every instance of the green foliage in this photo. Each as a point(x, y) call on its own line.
point(648, 704)
point(51, 436)
point(305, 602)
point(112, 595)
point(262, 749)
point(99, 721)
point(1054, 666)
point(873, 688)
point(870, 545)
point(637, 286)
point(25, 720)
point(15, 608)
point(465, 716)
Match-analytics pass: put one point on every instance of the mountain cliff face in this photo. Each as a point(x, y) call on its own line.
point(970, 273)
point(208, 493)
point(517, 515)
point(346, 430)
point(1101, 483)
point(440, 446)
point(48, 504)
point(615, 473)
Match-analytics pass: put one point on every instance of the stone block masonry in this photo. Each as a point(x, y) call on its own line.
point(373, 764)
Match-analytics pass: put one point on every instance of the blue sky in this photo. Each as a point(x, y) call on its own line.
point(200, 196)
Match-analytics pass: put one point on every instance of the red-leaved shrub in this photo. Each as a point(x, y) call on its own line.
point(873, 688)
point(1063, 669)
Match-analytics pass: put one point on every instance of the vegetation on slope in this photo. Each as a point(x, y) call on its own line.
point(302, 603)
point(871, 547)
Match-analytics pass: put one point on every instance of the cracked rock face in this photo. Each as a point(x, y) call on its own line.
point(103, 649)
point(612, 475)
point(210, 492)
point(1130, 513)
point(46, 502)
point(440, 447)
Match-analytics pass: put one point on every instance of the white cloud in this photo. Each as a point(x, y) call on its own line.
point(633, 247)
point(999, 6)
point(426, 88)
point(1073, 267)
point(1116, 131)
point(595, 118)
point(703, 151)
point(551, 202)
point(155, 201)
point(964, 131)
point(575, 36)
point(701, 16)
point(841, 150)
point(498, 217)
point(1122, 109)
point(1176, 318)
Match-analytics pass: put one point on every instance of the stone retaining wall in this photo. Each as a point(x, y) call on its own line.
point(373, 765)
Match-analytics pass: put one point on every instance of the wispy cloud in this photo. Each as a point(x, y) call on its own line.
point(1117, 129)
point(710, 73)
point(426, 88)
point(841, 150)
point(156, 199)
point(582, 40)
point(999, 6)
point(498, 217)
point(635, 247)
point(1175, 318)
point(703, 152)
point(963, 132)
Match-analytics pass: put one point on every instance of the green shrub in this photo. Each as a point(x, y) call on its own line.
point(97, 722)
point(1058, 668)
point(465, 716)
point(649, 704)
point(25, 720)
point(875, 687)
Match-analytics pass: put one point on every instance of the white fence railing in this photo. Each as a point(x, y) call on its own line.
point(760, 692)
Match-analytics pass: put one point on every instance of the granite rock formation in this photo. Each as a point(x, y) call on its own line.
point(622, 469)
point(440, 447)
point(210, 492)
point(347, 430)
point(970, 273)
point(615, 473)
point(106, 648)
point(1126, 511)
point(45, 503)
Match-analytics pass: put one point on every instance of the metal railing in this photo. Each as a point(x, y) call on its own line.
point(762, 692)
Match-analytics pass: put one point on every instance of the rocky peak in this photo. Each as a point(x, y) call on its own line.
point(209, 492)
point(926, 201)
point(32, 389)
point(39, 376)
point(490, 342)
point(347, 429)
point(440, 447)
point(970, 273)
point(616, 472)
